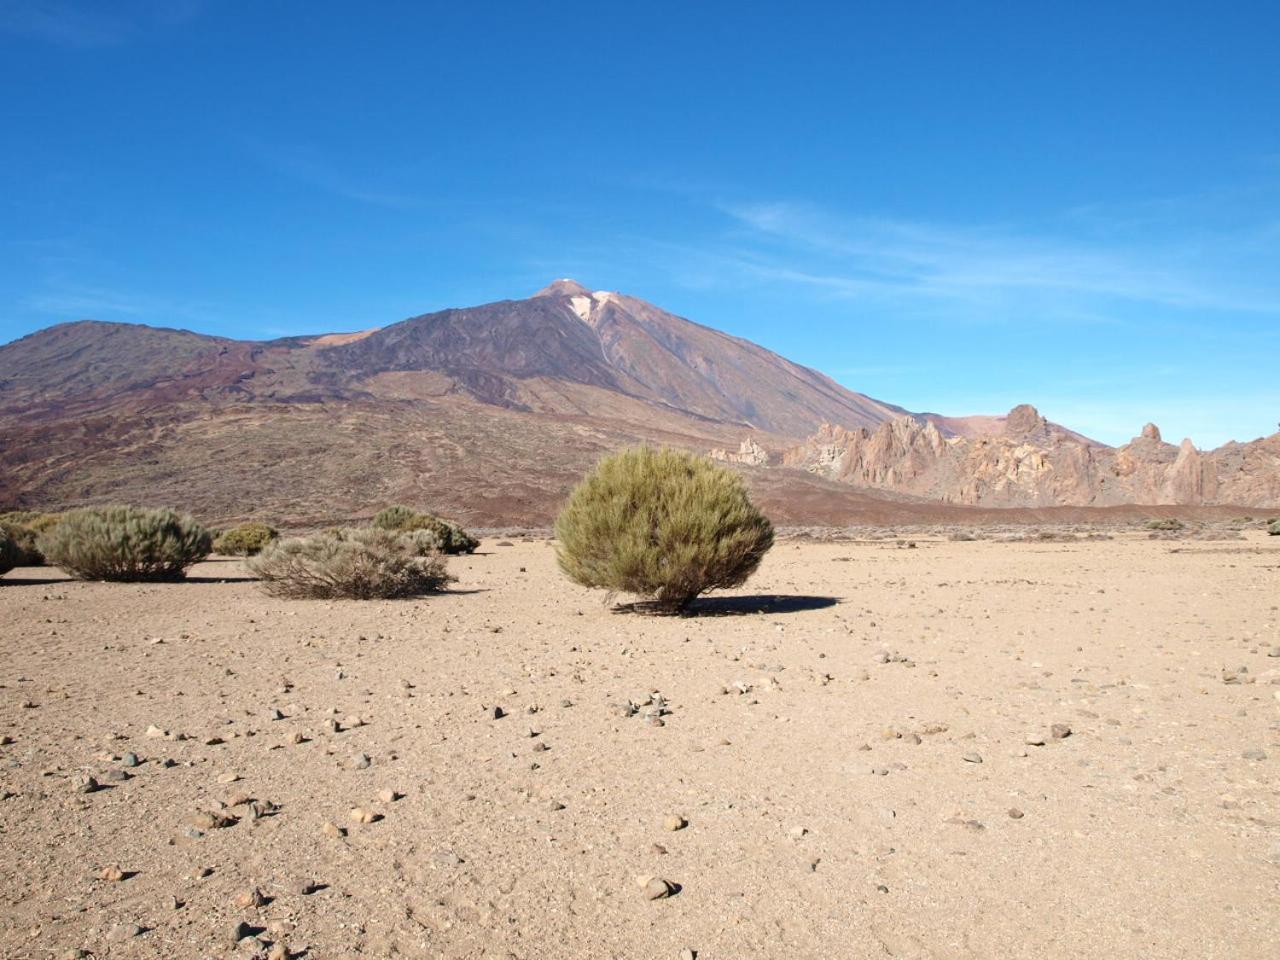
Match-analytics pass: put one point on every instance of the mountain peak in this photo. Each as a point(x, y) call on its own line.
point(564, 287)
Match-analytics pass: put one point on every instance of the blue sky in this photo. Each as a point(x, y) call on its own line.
point(951, 206)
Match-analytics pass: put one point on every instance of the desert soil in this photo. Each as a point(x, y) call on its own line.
point(851, 758)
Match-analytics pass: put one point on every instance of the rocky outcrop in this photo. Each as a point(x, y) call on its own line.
point(1034, 463)
point(749, 452)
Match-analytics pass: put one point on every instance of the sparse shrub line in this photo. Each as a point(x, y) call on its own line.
point(357, 564)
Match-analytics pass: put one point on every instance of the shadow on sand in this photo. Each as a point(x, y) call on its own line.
point(735, 606)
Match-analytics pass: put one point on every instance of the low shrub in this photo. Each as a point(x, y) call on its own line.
point(10, 553)
point(24, 541)
point(244, 540)
point(363, 564)
point(1273, 527)
point(661, 524)
point(1168, 523)
point(450, 537)
point(125, 543)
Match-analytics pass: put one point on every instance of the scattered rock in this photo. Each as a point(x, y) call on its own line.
point(656, 888)
point(972, 758)
point(250, 898)
point(83, 783)
point(388, 796)
point(1015, 813)
point(331, 829)
point(1059, 731)
point(360, 761)
point(111, 873)
point(130, 760)
point(125, 931)
point(674, 822)
point(363, 815)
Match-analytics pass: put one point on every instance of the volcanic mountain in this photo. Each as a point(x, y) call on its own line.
point(489, 411)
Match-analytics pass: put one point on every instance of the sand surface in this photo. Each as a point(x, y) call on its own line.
point(834, 801)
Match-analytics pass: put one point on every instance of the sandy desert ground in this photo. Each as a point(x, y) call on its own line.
point(858, 761)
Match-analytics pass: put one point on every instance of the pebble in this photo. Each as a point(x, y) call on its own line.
point(278, 951)
point(361, 815)
point(297, 737)
point(655, 888)
point(252, 897)
point(228, 777)
point(674, 822)
point(388, 796)
point(112, 873)
point(83, 783)
point(497, 713)
point(1059, 731)
point(688, 954)
point(796, 832)
point(972, 758)
point(130, 760)
point(210, 820)
point(360, 761)
point(1015, 813)
point(125, 931)
point(331, 829)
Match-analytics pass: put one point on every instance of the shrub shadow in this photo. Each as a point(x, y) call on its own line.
point(739, 606)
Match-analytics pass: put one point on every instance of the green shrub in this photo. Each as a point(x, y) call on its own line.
point(356, 564)
point(663, 525)
point(125, 543)
point(24, 541)
point(10, 553)
point(1273, 527)
point(1168, 523)
point(450, 537)
point(244, 540)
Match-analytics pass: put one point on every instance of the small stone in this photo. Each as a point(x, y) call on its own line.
point(360, 761)
point(296, 737)
point(111, 873)
point(83, 783)
point(240, 931)
point(278, 951)
point(130, 760)
point(331, 829)
point(388, 796)
point(687, 954)
point(541, 746)
point(556, 805)
point(125, 931)
point(497, 713)
point(252, 897)
point(1059, 731)
point(795, 833)
point(446, 857)
point(1035, 740)
point(275, 714)
point(674, 822)
point(1254, 754)
point(362, 815)
point(972, 758)
point(155, 733)
point(655, 888)
point(210, 820)
point(228, 777)
point(1015, 813)
point(332, 725)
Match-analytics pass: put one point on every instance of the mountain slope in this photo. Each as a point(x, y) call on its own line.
point(490, 412)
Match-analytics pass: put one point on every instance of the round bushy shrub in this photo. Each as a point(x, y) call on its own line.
point(10, 553)
point(24, 540)
point(125, 543)
point(663, 525)
point(244, 540)
point(1168, 524)
point(450, 537)
point(354, 564)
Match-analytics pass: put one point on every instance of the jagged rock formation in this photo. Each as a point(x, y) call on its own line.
point(749, 452)
point(1033, 463)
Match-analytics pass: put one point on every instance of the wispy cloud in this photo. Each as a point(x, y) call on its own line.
point(309, 165)
point(993, 264)
point(78, 302)
point(91, 24)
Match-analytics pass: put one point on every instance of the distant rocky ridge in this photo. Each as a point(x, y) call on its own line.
point(1033, 463)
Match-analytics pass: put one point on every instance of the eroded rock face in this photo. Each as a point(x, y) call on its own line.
point(1033, 463)
point(749, 452)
